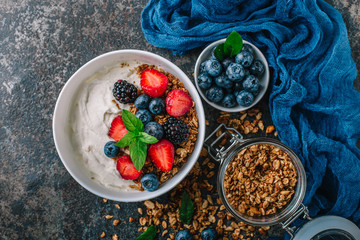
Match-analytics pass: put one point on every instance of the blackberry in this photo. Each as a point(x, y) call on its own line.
point(124, 92)
point(176, 131)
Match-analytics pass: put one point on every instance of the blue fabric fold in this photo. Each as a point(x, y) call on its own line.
point(313, 104)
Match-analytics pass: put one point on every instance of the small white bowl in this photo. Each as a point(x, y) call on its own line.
point(264, 79)
point(62, 134)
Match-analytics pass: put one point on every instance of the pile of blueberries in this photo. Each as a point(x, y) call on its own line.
point(233, 81)
point(147, 107)
point(207, 234)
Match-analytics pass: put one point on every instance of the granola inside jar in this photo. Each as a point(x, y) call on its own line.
point(261, 182)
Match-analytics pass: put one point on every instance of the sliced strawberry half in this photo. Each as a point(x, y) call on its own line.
point(126, 168)
point(117, 129)
point(162, 154)
point(178, 103)
point(153, 82)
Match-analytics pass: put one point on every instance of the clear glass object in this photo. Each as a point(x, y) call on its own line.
point(225, 154)
point(320, 228)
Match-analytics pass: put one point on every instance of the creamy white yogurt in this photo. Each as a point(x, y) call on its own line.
point(92, 114)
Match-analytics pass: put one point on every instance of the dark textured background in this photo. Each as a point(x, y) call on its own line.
point(42, 43)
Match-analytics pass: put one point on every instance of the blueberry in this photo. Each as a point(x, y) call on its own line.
point(111, 150)
point(215, 94)
point(251, 84)
point(257, 68)
point(142, 101)
point(255, 93)
point(157, 106)
point(236, 92)
point(209, 234)
point(244, 58)
point(228, 101)
point(226, 62)
point(247, 47)
point(223, 81)
point(150, 182)
point(183, 235)
point(235, 72)
point(213, 67)
point(244, 98)
point(154, 129)
point(204, 81)
point(144, 116)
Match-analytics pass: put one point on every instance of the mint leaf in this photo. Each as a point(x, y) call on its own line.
point(136, 132)
point(147, 138)
point(126, 140)
point(230, 48)
point(149, 234)
point(137, 150)
point(131, 121)
point(233, 44)
point(219, 52)
point(186, 208)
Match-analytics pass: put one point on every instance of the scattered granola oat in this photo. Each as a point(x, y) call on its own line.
point(270, 129)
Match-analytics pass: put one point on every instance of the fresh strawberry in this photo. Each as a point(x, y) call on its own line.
point(153, 82)
point(178, 103)
point(162, 154)
point(126, 168)
point(117, 129)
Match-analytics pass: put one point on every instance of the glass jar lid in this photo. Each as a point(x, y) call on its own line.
point(328, 228)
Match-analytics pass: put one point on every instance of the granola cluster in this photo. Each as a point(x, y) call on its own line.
point(260, 180)
point(182, 151)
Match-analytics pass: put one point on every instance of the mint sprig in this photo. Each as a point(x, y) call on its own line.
point(230, 48)
point(149, 234)
point(136, 139)
point(131, 122)
point(186, 208)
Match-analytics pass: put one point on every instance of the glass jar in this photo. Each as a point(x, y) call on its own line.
point(226, 153)
point(317, 229)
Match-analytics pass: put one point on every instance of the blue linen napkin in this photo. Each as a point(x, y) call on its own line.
point(313, 104)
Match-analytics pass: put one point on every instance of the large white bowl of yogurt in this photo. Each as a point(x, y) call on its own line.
point(83, 115)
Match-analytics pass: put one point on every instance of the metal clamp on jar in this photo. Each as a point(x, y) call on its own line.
point(234, 144)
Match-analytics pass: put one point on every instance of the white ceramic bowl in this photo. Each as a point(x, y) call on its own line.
point(264, 79)
point(61, 124)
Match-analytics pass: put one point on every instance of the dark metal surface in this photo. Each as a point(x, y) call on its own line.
point(42, 43)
